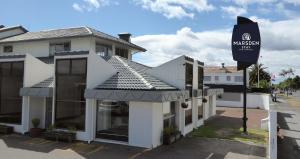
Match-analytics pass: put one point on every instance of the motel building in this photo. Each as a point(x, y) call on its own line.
point(86, 79)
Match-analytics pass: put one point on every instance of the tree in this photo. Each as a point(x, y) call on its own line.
point(263, 75)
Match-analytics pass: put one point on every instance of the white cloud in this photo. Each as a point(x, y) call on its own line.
point(233, 12)
point(248, 2)
point(294, 2)
point(280, 7)
point(77, 7)
point(175, 8)
point(280, 45)
point(90, 5)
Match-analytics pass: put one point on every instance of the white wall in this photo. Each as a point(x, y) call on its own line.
point(223, 78)
point(37, 110)
point(36, 71)
point(41, 48)
point(260, 100)
point(172, 72)
point(98, 70)
point(254, 100)
point(145, 124)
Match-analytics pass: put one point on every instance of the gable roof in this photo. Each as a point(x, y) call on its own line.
point(67, 33)
point(12, 28)
point(217, 69)
point(132, 76)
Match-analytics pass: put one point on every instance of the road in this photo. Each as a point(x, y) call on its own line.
point(288, 109)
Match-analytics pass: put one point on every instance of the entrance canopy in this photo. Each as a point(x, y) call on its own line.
point(136, 95)
point(42, 89)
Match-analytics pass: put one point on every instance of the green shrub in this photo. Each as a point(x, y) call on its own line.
point(35, 122)
point(72, 129)
point(168, 131)
point(51, 128)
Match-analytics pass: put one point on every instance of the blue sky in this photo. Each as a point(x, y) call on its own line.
point(166, 27)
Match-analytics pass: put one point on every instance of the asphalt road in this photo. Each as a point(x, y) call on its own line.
point(289, 120)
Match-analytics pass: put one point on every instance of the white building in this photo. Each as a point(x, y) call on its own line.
point(85, 79)
point(231, 80)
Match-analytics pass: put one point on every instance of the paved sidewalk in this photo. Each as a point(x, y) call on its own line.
point(289, 121)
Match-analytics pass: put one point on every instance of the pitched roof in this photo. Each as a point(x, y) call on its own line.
point(48, 83)
point(217, 69)
point(132, 76)
point(68, 32)
point(12, 28)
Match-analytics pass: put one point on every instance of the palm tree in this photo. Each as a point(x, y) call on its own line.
point(287, 73)
point(263, 75)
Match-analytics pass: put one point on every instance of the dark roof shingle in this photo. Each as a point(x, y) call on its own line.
point(132, 76)
point(68, 32)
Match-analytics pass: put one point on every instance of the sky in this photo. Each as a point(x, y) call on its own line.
point(169, 28)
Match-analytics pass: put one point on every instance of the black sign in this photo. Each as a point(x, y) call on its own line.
point(246, 42)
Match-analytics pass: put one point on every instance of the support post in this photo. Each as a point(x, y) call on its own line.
point(245, 101)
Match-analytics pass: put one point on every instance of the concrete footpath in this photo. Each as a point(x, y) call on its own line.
point(288, 109)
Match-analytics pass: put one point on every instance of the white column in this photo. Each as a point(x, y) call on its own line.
point(145, 124)
point(25, 114)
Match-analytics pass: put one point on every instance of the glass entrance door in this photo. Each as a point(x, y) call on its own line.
point(112, 120)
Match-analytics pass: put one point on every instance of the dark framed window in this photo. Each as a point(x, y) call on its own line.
point(189, 77)
point(170, 116)
point(188, 116)
point(122, 52)
point(103, 50)
point(59, 47)
point(11, 81)
point(200, 77)
point(112, 120)
point(200, 109)
point(8, 49)
point(238, 78)
point(70, 86)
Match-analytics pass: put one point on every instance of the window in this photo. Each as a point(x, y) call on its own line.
point(207, 78)
point(8, 49)
point(169, 115)
point(200, 77)
point(122, 52)
point(112, 120)
point(188, 114)
point(228, 78)
point(103, 50)
point(200, 109)
point(59, 47)
point(11, 81)
point(216, 78)
point(70, 86)
point(189, 77)
point(238, 79)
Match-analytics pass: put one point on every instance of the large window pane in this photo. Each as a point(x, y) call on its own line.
point(189, 77)
point(70, 86)
point(170, 115)
point(63, 66)
point(200, 109)
point(11, 81)
point(200, 77)
point(78, 66)
point(112, 120)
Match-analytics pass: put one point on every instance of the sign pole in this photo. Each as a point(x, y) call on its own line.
point(245, 101)
point(245, 46)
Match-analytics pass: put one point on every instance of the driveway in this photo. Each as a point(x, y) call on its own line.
point(18, 146)
point(288, 109)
